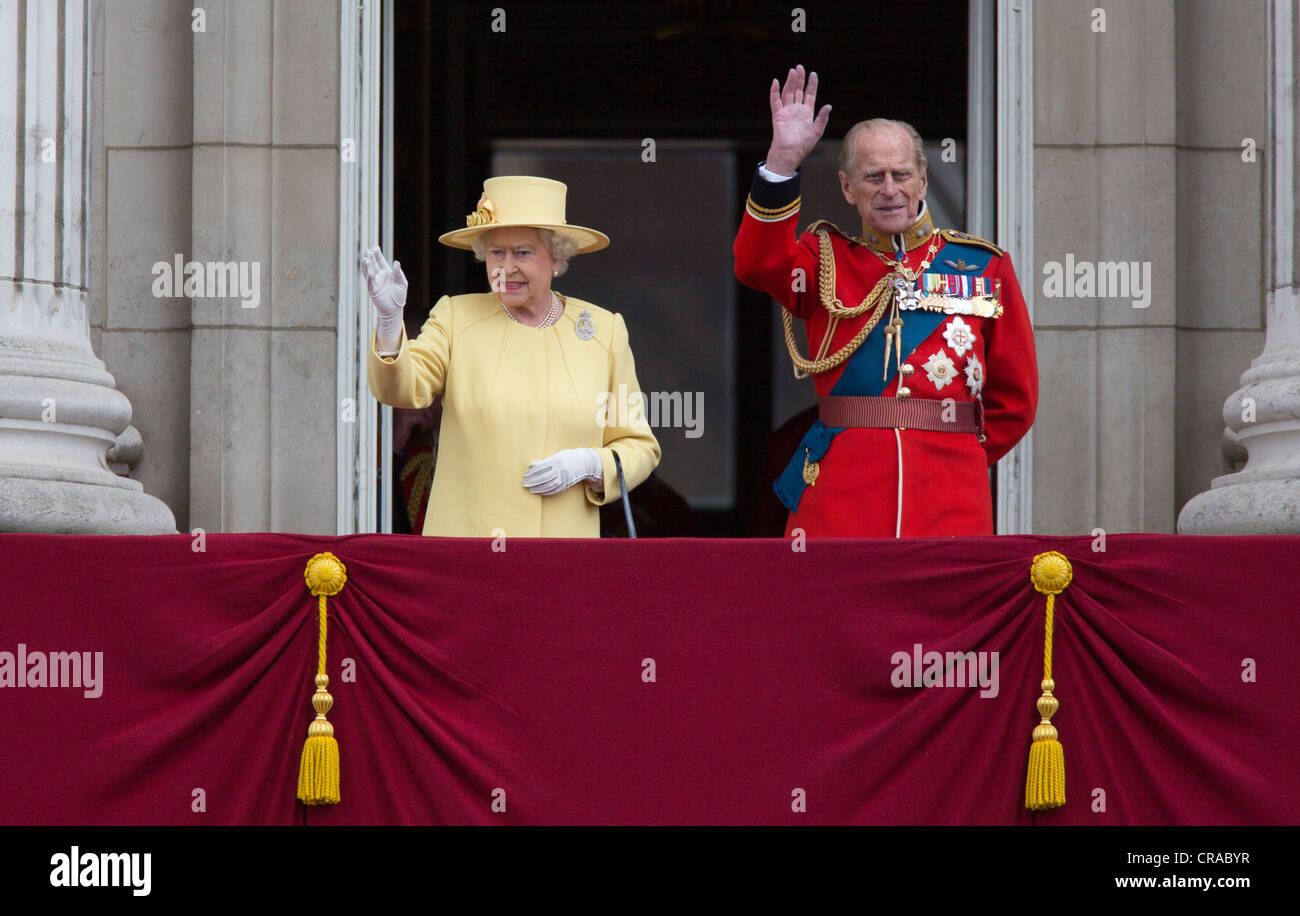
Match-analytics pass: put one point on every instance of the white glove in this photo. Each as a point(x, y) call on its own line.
point(562, 470)
point(387, 288)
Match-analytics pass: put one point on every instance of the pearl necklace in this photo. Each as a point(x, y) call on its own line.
point(552, 314)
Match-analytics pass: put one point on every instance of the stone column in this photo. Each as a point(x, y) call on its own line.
point(59, 410)
point(1263, 416)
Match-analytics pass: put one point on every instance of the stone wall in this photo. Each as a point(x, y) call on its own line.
point(221, 145)
point(1138, 142)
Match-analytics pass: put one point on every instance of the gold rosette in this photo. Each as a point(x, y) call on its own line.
point(484, 214)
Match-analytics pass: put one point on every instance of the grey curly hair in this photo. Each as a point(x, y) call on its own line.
point(561, 247)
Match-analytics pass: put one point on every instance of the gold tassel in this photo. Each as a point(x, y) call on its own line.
point(1045, 781)
point(318, 773)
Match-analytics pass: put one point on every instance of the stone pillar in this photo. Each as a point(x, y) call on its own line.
point(1263, 416)
point(59, 410)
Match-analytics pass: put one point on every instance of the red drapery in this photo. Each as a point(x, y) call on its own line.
point(522, 675)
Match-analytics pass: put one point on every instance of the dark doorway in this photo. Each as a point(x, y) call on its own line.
point(573, 91)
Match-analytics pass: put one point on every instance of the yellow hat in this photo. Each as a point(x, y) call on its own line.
point(522, 200)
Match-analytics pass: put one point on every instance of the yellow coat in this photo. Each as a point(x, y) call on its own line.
point(512, 395)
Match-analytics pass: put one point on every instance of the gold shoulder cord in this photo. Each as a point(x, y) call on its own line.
point(878, 299)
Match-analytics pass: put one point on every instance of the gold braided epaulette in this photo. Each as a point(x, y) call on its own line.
point(964, 238)
point(827, 224)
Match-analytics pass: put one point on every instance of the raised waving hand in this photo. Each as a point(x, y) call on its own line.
point(387, 288)
point(796, 123)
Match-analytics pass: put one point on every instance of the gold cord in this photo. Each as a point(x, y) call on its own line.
point(880, 297)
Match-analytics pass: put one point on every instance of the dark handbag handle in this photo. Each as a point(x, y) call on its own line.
point(627, 504)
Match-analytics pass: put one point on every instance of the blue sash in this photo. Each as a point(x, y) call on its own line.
point(861, 377)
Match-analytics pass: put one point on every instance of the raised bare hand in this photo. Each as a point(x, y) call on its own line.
point(795, 129)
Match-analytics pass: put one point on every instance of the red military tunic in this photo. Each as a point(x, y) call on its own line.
point(887, 482)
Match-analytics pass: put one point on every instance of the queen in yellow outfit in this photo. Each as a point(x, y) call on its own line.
point(527, 443)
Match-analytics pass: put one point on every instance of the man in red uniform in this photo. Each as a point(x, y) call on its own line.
point(923, 355)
